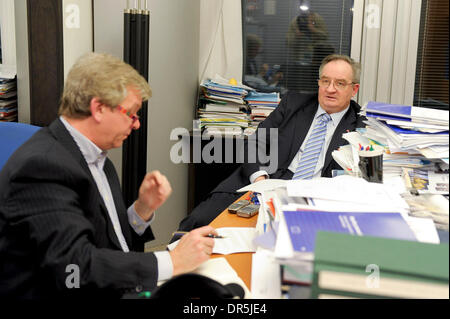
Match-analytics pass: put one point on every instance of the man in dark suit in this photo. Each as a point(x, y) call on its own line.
point(302, 152)
point(64, 228)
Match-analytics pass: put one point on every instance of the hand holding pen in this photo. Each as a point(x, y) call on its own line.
point(194, 248)
point(180, 233)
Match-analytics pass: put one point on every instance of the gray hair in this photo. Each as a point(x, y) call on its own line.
point(356, 67)
point(103, 76)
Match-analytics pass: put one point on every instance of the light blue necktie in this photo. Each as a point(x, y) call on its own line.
point(308, 161)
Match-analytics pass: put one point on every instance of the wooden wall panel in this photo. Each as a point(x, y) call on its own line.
point(45, 41)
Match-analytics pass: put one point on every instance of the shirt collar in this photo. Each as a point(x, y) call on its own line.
point(91, 152)
point(335, 117)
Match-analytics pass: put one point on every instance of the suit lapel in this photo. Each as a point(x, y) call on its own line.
point(63, 136)
point(348, 122)
point(302, 121)
point(116, 192)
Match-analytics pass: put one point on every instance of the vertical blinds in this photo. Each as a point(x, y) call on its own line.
point(285, 41)
point(431, 87)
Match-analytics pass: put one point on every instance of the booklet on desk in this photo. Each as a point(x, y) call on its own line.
point(406, 111)
point(304, 225)
point(373, 267)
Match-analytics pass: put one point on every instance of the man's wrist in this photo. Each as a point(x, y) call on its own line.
point(256, 175)
point(143, 211)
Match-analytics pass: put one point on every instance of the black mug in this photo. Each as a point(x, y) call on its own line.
point(371, 164)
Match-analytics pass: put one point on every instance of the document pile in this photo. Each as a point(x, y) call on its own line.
point(293, 212)
point(369, 267)
point(222, 108)
point(409, 129)
point(261, 105)
point(416, 152)
point(8, 100)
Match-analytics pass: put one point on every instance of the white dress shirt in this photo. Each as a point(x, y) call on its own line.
point(331, 127)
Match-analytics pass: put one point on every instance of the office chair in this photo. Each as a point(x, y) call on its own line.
point(12, 135)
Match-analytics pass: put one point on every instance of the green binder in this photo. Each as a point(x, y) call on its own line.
point(375, 267)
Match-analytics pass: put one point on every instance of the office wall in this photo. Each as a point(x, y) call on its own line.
point(77, 31)
point(173, 73)
point(23, 79)
point(77, 40)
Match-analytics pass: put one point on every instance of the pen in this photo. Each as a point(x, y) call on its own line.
point(181, 233)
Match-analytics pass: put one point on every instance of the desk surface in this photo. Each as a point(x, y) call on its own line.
point(242, 262)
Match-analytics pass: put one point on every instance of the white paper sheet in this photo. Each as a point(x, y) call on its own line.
point(424, 229)
point(236, 240)
point(347, 189)
point(263, 185)
point(266, 281)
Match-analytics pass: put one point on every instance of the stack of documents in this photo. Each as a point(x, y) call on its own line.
point(218, 90)
point(8, 100)
point(222, 108)
point(261, 105)
point(293, 212)
point(369, 267)
point(410, 171)
point(393, 162)
point(409, 129)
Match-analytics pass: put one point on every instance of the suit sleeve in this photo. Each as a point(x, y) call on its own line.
point(44, 199)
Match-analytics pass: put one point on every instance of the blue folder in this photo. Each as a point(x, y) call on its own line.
point(303, 226)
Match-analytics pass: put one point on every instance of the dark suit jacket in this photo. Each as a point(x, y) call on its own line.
point(293, 118)
point(52, 216)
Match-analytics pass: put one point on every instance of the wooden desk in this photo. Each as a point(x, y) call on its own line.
point(241, 262)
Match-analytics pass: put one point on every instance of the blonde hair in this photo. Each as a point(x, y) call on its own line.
point(356, 67)
point(103, 76)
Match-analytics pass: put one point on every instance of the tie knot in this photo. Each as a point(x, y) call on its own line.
point(325, 118)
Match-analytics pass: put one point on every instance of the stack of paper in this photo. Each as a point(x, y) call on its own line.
point(369, 267)
point(8, 100)
point(409, 128)
point(222, 108)
point(417, 173)
point(261, 105)
point(293, 212)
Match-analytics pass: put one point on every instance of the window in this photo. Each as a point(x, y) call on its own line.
point(7, 34)
point(285, 41)
point(431, 87)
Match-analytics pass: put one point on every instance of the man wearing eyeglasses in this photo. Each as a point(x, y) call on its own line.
point(310, 127)
point(64, 228)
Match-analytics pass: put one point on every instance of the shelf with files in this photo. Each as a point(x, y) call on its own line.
point(8, 100)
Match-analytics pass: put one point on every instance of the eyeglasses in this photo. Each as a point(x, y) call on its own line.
point(338, 84)
point(133, 117)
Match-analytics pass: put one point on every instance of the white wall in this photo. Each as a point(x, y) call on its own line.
point(77, 31)
point(23, 77)
point(173, 74)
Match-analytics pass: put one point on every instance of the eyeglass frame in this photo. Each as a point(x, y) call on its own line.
point(334, 84)
point(133, 117)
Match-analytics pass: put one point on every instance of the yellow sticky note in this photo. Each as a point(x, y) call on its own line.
point(233, 81)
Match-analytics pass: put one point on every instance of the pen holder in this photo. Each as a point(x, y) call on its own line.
point(371, 164)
